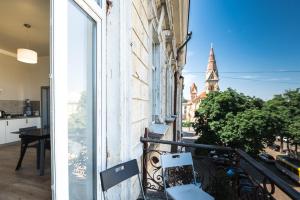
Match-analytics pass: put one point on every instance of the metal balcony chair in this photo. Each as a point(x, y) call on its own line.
point(119, 173)
point(183, 191)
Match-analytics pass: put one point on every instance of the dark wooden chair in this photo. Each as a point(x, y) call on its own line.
point(26, 143)
point(119, 173)
point(30, 142)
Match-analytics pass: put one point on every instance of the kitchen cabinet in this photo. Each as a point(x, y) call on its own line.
point(11, 125)
point(2, 131)
point(35, 121)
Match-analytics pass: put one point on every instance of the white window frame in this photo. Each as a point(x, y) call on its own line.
point(169, 93)
point(156, 85)
point(59, 88)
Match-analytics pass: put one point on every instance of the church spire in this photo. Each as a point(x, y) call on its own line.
point(212, 75)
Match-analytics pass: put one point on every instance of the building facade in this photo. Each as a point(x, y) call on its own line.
point(211, 84)
point(133, 53)
point(145, 85)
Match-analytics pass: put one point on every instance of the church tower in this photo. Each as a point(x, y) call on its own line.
point(193, 91)
point(212, 75)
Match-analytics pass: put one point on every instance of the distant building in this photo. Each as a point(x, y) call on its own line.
point(212, 75)
point(191, 105)
point(211, 84)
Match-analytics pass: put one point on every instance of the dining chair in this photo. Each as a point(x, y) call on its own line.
point(119, 173)
point(183, 191)
point(26, 143)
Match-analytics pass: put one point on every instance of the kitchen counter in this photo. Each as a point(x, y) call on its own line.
point(21, 117)
point(7, 126)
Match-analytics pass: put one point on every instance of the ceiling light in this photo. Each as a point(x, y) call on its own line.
point(27, 55)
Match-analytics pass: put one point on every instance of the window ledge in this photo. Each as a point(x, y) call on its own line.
point(174, 116)
point(158, 130)
point(170, 119)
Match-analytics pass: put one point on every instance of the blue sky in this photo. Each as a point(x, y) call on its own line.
point(259, 40)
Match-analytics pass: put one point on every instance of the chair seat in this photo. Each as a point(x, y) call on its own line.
point(188, 192)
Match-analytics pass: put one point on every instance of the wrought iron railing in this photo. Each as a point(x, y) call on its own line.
point(152, 177)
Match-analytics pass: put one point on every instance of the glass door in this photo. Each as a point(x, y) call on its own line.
point(78, 98)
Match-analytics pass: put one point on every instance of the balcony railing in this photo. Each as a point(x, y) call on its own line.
point(243, 186)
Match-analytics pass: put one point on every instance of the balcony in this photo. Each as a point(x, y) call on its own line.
point(234, 175)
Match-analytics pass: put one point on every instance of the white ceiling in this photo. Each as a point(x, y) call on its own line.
point(13, 35)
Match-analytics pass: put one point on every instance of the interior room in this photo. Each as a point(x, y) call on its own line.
point(25, 168)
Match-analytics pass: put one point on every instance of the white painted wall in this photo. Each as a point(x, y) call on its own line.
point(141, 73)
point(129, 82)
point(19, 81)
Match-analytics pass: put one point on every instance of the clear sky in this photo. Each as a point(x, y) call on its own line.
point(259, 40)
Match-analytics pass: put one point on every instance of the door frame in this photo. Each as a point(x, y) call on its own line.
point(58, 92)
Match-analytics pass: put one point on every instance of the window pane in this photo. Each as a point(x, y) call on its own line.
point(155, 80)
point(81, 92)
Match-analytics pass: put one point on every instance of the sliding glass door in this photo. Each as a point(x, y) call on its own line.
point(78, 107)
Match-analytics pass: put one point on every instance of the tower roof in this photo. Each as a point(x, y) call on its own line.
point(212, 75)
point(193, 88)
point(211, 54)
point(211, 60)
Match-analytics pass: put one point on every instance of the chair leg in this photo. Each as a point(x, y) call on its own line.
point(23, 151)
point(38, 153)
point(42, 157)
point(141, 187)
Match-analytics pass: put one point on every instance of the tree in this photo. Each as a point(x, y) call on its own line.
point(294, 129)
point(287, 108)
point(234, 119)
point(250, 130)
point(278, 107)
point(292, 99)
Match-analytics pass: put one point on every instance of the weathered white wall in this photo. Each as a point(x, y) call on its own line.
point(129, 81)
point(113, 139)
point(141, 80)
point(20, 81)
point(141, 74)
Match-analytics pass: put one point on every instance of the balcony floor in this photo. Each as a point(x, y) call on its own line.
point(24, 184)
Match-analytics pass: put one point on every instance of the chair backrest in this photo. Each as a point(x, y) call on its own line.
point(176, 160)
point(28, 128)
point(169, 161)
point(119, 173)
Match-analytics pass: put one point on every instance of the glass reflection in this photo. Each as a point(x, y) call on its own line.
point(81, 67)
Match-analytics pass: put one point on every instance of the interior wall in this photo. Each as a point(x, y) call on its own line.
point(20, 81)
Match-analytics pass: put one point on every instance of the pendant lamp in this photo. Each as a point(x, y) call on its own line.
point(27, 55)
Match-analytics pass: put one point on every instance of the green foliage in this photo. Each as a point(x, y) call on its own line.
point(187, 124)
point(234, 119)
point(287, 109)
point(77, 120)
point(249, 130)
point(216, 109)
point(294, 129)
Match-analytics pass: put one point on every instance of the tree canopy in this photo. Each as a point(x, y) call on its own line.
point(239, 121)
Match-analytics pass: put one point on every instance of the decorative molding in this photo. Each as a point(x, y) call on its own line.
point(161, 20)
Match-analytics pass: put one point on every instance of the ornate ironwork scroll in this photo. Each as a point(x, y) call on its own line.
point(152, 169)
point(174, 176)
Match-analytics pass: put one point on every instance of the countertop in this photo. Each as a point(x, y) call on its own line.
point(21, 117)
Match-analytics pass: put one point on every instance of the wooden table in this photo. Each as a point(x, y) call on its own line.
point(33, 135)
